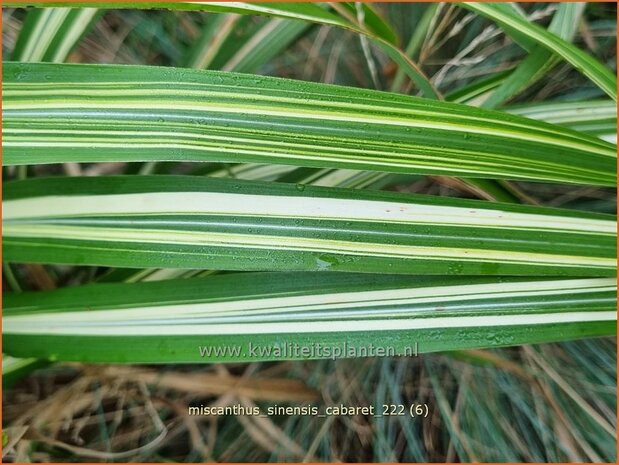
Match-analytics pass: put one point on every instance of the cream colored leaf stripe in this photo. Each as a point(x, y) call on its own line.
point(433, 306)
point(598, 117)
point(228, 203)
point(172, 320)
point(218, 223)
point(39, 34)
point(61, 113)
point(49, 34)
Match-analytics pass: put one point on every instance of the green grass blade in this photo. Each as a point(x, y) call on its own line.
point(196, 222)
point(37, 32)
point(172, 321)
point(275, 36)
point(13, 369)
point(416, 41)
point(218, 48)
point(376, 29)
point(253, 172)
point(352, 179)
point(373, 21)
point(90, 113)
point(583, 62)
point(217, 30)
point(540, 61)
point(477, 91)
point(490, 189)
point(50, 34)
point(597, 117)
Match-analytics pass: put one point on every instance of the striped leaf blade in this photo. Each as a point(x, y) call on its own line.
point(13, 369)
point(540, 61)
point(50, 34)
point(275, 36)
point(375, 29)
point(195, 222)
point(212, 40)
point(583, 62)
point(597, 117)
point(55, 113)
point(267, 316)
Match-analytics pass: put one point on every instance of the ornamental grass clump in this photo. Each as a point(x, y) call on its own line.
point(189, 186)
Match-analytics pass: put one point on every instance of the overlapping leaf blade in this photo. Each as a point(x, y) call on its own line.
point(58, 114)
point(50, 34)
point(585, 63)
point(79, 113)
point(375, 29)
point(267, 316)
point(597, 117)
point(194, 222)
point(540, 61)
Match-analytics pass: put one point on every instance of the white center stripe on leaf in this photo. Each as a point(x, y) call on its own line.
point(214, 203)
point(15, 327)
point(346, 303)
